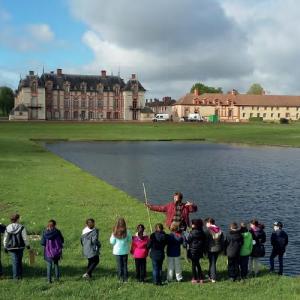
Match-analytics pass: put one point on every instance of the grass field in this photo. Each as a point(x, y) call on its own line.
point(40, 185)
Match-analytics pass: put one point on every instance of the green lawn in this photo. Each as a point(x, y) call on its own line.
point(40, 185)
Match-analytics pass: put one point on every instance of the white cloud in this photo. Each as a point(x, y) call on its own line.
point(41, 33)
point(170, 44)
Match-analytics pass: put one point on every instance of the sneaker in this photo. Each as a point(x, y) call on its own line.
point(86, 276)
point(213, 281)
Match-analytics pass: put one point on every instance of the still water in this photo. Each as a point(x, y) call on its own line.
point(229, 183)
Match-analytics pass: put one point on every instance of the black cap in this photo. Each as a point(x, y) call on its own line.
point(277, 223)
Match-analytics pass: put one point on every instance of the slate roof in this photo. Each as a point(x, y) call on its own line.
point(75, 80)
point(147, 110)
point(241, 100)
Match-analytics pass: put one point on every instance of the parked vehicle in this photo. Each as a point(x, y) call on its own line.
point(161, 117)
point(195, 118)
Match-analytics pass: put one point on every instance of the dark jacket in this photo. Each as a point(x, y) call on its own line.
point(233, 243)
point(170, 211)
point(174, 243)
point(196, 241)
point(214, 239)
point(259, 238)
point(157, 244)
point(2, 230)
point(279, 241)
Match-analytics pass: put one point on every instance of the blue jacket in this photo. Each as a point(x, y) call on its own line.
point(121, 246)
point(174, 243)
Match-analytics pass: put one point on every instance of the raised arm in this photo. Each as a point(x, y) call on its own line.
point(158, 208)
point(191, 207)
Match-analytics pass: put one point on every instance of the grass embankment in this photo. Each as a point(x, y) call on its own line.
point(41, 185)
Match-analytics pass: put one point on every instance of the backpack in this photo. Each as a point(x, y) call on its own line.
point(53, 248)
point(15, 240)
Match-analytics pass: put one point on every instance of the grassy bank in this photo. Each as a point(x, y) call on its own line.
point(41, 185)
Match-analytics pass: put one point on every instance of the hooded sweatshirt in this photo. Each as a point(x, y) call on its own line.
point(120, 246)
point(90, 242)
point(215, 238)
point(51, 234)
point(139, 246)
point(15, 228)
point(247, 246)
point(157, 244)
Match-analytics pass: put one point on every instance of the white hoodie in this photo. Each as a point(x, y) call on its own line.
point(15, 228)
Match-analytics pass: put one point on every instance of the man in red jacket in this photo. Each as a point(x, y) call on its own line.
point(176, 211)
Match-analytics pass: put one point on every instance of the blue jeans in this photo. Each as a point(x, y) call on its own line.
point(280, 260)
point(50, 265)
point(157, 271)
point(16, 259)
point(122, 261)
point(212, 268)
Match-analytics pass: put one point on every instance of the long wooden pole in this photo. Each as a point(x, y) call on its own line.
point(148, 211)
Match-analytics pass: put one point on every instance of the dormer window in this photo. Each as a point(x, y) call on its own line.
point(67, 87)
point(100, 88)
point(83, 87)
point(34, 87)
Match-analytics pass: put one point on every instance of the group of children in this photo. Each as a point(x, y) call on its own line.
point(242, 245)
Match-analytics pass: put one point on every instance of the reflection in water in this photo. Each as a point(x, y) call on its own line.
point(229, 183)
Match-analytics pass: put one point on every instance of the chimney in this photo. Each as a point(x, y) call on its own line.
point(59, 72)
point(103, 73)
point(234, 92)
point(133, 76)
point(196, 92)
point(31, 73)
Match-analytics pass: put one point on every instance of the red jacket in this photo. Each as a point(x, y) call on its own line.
point(170, 210)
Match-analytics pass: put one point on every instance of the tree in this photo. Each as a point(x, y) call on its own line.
point(256, 89)
point(6, 100)
point(202, 88)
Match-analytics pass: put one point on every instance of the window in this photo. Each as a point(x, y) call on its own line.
point(76, 104)
point(242, 107)
point(264, 115)
point(91, 103)
point(251, 115)
point(277, 108)
point(83, 103)
point(272, 108)
point(257, 108)
point(244, 115)
point(287, 115)
point(258, 115)
point(66, 103)
point(278, 115)
point(266, 107)
point(297, 116)
point(100, 103)
point(272, 115)
point(252, 107)
point(287, 108)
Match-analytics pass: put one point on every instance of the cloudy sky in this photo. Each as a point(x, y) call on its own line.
point(169, 44)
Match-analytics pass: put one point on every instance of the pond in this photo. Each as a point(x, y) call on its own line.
point(228, 182)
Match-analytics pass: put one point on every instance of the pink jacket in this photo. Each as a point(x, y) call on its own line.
point(139, 247)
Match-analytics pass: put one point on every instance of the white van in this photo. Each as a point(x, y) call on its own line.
point(194, 118)
point(161, 117)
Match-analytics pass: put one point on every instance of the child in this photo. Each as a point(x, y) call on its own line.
point(258, 250)
point(174, 242)
point(215, 245)
point(91, 246)
point(2, 230)
point(196, 241)
point(139, 251)
point(15, 240)
point(233, 244)
point(53, 241)
point(279, 241)
point(157, 244)
point(120, 240)
point(246, 250)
